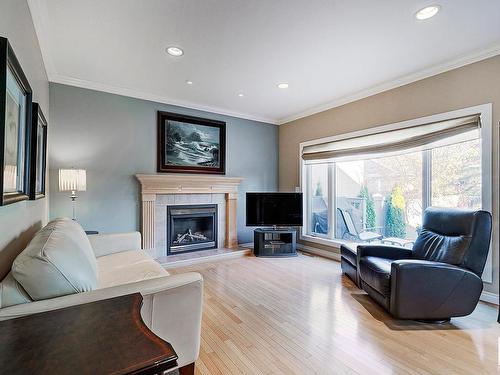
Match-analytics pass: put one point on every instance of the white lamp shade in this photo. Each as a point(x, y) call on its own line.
point(72, 180)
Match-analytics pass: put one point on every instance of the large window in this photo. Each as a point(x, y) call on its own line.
point(456, 175)
point(380, 193)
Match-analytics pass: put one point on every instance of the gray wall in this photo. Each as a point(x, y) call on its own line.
point(114, 137)
point(19, 221)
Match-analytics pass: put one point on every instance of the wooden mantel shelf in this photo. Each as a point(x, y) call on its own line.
point(158, 184)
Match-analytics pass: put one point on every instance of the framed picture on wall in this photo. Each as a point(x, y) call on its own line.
point(15, 125)
point(38, 152)
point(188, 144)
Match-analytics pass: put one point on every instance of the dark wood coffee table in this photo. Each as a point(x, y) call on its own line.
point(103, 337)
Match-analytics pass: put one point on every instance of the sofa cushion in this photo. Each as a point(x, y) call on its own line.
point(127, 267)
point(58, 261)
point(12, 293)
point(376, 272)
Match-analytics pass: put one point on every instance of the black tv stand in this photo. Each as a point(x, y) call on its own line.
point(274, 242)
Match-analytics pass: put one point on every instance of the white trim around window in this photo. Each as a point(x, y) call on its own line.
point(485, 111)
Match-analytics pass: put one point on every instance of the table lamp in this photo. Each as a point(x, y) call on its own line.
point(72, 180)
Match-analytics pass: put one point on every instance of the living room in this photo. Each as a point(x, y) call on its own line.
point(254, 187)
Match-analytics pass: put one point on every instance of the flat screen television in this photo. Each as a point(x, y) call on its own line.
point(274, 209)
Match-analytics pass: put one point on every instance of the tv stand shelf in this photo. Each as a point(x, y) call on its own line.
point(275, 242)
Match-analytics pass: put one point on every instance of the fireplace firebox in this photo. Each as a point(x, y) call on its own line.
point(191, 228)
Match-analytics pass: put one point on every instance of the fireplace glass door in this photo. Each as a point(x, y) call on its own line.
point(191, 228)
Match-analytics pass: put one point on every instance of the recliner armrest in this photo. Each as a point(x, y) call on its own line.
point(384, 251)
point(422, 289)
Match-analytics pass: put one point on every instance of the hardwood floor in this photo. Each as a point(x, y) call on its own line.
point(301, 316)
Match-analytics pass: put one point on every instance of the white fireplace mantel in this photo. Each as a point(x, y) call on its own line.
point(156, 184)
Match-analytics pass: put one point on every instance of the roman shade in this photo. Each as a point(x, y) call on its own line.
point(411, 138)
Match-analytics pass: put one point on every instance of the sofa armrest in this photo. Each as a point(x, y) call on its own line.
point(423, 289)
point(145, 287)
point(172, 307)
point(109, 243)
point(384, 251)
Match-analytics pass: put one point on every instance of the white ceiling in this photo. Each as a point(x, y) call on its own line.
point(329, 51)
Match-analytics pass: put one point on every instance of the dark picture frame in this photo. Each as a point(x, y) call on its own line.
point(188, 144)
point(38, 155)
point(15, 127)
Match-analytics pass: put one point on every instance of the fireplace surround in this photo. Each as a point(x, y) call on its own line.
point(159, 191)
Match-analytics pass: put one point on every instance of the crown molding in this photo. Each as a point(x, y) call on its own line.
point(459, 62)
point(97, 86)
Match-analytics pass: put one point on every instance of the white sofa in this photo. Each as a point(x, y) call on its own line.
point(63, 267)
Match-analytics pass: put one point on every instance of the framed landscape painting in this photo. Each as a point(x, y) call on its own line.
point(188, 144)
point(38, 153)
point(15, 126)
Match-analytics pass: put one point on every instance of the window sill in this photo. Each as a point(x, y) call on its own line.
point(323, 241)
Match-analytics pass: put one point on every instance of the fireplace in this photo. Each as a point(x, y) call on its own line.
point(191, 228)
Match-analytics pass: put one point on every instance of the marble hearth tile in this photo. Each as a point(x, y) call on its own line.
point(221, 211)
point(160, 214)
point(164, 199)
point(192, 198)
point(218, 198)
point(161, 245)
point(160, 238)
point(160, 224)
point(220, 239)
point(201, 199)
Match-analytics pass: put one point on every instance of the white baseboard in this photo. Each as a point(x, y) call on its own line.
point(315, 251)
point(489, 297)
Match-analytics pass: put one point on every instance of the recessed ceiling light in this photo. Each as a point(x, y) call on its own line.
point(427, 12)
point(189, 82)
point(282, 85)
point(175, 51)
point(241, 95)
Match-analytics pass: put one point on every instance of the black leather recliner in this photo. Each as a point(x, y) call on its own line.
point(440, 277)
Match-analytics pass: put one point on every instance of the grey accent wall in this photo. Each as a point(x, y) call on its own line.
point(114, 137)
point(19, 221)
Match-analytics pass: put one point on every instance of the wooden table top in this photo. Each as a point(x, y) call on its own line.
point(103, 337)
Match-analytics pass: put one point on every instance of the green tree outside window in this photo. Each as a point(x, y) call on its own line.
point(371, 218)
point(395, 225)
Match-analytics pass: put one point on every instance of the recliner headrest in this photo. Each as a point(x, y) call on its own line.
point(450, 222)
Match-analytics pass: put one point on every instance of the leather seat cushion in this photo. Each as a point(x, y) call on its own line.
point(376, 272)
point(127, 267)
point(349, 253)
point(58, 261)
